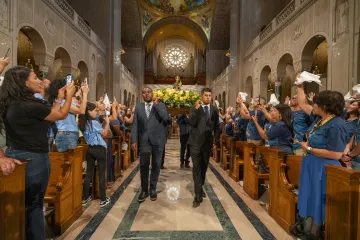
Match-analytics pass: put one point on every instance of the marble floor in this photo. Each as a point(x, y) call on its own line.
point(226, 213)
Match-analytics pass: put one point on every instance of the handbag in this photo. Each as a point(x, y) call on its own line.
point(301, 227)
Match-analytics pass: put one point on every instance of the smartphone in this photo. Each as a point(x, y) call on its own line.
point(114, 99)
point(85, 81)
point(7, 53)
point(68, 79)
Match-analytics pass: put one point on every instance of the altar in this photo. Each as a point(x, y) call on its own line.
point(178, 111)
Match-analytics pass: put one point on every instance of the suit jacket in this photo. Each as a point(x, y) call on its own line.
point(199, 136)
point(149, 131)
point(184, 125)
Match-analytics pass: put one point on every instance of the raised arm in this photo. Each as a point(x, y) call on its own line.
point(303, 101)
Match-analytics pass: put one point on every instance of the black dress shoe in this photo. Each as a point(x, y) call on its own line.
point(197, 201)
point(203, 194)
point(153, 195)
point(181, 165)
point(143, 195)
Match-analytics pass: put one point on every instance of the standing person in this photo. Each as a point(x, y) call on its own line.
point(148, 133)
point(167, 126)
point(93, 134)
point(27, 121)
point(184, 125)
point(204, 121)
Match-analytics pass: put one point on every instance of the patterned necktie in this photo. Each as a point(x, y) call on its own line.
point(148, 110)
point(207, 114)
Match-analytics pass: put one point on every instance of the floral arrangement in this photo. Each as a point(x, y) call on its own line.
point(176, 98)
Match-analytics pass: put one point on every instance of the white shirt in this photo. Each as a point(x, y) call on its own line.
point(208, 105)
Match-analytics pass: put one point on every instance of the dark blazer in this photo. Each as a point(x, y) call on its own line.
point(199, 126)
point(149, 131)
point(184, 125)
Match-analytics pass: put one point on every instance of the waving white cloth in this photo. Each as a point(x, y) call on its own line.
point(243, 96)
point(307, 77)
point(1, 80)
point(217, 104)
point(357, 88)
point(348, 97)
point(273, 100)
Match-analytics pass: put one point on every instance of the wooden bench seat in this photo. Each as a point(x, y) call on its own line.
point(237, 160)
point(342, 220)
point(12, 204)
point(284, 182)
point(64, 191)
point(252, 177)
point(225, 143)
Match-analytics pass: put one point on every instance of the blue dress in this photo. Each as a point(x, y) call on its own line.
point(312, 190)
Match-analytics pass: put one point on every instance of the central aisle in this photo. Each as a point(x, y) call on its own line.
point(222, 215)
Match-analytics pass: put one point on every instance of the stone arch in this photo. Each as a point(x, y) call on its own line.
point(84, 71)
point(285, 76)
point(125, 98)
point(249, 87)
point(100, 85)
point(61, 65)
point(265, 89)
point(314, 59)
point(31, 49)
point(219, 99)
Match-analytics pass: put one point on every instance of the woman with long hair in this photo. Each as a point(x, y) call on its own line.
point(279, 131)
point(67, 130)
point(93, 133)
point(27, 121)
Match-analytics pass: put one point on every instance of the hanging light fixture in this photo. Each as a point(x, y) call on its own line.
point(316, 70)
point(228, 53)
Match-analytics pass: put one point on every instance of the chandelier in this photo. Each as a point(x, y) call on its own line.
point(175, 57)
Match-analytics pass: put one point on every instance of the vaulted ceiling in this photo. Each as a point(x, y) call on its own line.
point(211, 17)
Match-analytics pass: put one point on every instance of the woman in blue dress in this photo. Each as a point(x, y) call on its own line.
point(325, 142)
point(278, 131)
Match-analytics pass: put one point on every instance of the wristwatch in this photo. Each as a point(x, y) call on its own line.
point(309, 149)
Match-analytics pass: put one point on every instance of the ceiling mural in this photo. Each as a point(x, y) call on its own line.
point(199, 11)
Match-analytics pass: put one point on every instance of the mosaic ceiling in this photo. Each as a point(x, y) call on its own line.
point(199, 11)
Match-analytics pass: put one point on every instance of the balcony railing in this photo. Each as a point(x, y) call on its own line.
point(293, 9)
point(67, 13)
point(129, 75)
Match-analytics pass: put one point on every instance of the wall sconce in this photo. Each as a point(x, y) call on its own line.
point(228, 53)
point(122, 51)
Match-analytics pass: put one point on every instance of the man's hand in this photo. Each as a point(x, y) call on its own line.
point(156, 100)
point(71, 89)
point(7, 165)
point(198, 103)
point(134, 147)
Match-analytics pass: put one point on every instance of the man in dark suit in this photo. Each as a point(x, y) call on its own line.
point(184, 125)
point(149, 136)
point(204, 137)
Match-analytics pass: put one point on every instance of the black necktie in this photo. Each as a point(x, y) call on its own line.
point(207, 114)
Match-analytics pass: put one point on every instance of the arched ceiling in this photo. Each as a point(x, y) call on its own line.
point(199, 11)
point(175, 30)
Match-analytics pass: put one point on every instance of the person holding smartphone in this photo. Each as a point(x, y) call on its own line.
point(67, 130)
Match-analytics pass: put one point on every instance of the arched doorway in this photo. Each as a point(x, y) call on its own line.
point(100, 86)
point(31, 49)
point(220, 102)
point(125, 98)
point(61, 66)
point(249, 87)
point(267, 84)
point(285, 77)
point(314, 59)
point(129, 100)
point(133, 101)
point(84, 71)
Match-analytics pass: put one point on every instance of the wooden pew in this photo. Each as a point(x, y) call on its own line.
point(252, 177)
point(64, 190)
point(117, 142)
point(226, 148)
point(284, 180)
point(126, 154)
point(237, 160)
point(12, 204)
point(342, 203)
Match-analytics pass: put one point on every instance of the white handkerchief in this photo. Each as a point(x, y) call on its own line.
point(1, 80)
point(348, 97)
point(217, 104)
point(357, 88)
point(243, 96)
point(273, 100)
point(307, 77)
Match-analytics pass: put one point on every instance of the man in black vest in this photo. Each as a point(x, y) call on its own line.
point(204, 137)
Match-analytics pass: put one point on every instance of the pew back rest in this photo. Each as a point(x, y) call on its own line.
point(292, 169)
point(228, 141)
point(239, 148)
point(265, 151)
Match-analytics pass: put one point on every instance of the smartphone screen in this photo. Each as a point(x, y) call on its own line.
point(68, 79)
point(85, 81)
point(7, 53)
